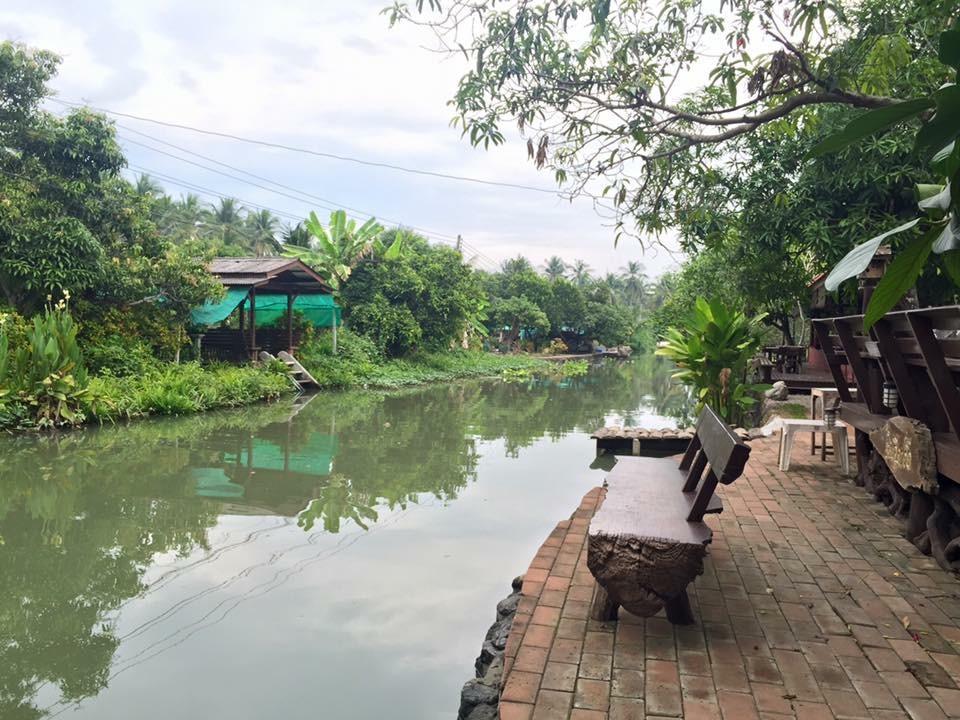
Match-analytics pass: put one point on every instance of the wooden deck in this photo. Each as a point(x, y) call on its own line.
point(801, 383)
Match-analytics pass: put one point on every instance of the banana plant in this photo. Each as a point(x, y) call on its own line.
point(939, 223)
point(335, 250)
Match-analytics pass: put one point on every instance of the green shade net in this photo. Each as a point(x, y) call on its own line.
point(314, 457)
point(210, 313)
point(318, 309)
point(321, 310)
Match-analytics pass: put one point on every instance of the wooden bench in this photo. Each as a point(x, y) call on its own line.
point(647, 540)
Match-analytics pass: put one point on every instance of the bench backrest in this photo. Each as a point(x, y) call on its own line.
point(716, 449)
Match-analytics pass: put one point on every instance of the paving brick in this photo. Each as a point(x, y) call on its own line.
point(799, 612)
point(592, 694)
point(559, 676)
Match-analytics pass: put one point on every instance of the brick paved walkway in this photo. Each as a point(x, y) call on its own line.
point(812, 606)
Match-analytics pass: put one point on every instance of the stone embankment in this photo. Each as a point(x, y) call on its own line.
point(480, 695)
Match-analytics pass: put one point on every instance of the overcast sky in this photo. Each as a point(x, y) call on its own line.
point(329, 76)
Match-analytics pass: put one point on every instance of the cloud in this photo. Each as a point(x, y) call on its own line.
point(331, 77)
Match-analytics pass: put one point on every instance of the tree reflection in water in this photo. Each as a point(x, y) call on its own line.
point(83, 516)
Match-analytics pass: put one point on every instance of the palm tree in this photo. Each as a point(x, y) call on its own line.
point(296, 235)
point(635, 282)
point(554, 268)
point(515, 265)
point(335, 250)
point(579, 273)
point(146, 185)
point(262, 228)
point(226, 222)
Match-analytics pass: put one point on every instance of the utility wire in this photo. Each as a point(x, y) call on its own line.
point(307, 151)
point(209, 191)
point(330, 204)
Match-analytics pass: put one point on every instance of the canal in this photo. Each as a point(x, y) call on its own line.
point(337, 559)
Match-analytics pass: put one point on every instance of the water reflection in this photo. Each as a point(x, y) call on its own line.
point(95, 522)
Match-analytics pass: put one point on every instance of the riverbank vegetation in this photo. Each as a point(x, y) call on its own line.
point(99, 274)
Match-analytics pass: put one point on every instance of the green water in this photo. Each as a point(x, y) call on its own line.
point(338, 561)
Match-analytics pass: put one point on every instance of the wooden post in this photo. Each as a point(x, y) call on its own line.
point(334, 330)
point(290, 323)
point(253, 323)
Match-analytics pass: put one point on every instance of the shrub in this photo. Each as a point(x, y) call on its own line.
point(557, 347)
point(186, 388)
point(713, 349)
point(44, 374)
point(119, 355)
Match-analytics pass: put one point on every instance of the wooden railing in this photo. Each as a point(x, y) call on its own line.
point(917, 353)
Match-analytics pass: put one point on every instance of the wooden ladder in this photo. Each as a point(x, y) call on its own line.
point(297, 373)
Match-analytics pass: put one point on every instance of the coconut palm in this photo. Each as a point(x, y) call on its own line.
point(146, 185)
point(296, 235)
point(519, 264)
point(554, 268)
point(335, 250)
point(226, 222)
point(579, 273)
point(262, 228)
point(635, 282)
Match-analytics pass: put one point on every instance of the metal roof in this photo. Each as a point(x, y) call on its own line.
point(277, 272)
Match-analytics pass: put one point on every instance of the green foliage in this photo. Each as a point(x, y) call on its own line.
point(712, 349)
point(45, 374)
point(574, 368)
point(336, 249)
point(935, 139)
point(426, 298)
point(183, 389)
point(614, 93)
point(119, 355)
point(518, 315)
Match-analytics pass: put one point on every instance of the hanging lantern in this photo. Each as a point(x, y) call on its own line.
point(891, 397)
point(830, 417)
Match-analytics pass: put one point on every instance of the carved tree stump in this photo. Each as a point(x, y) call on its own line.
point(643, 574)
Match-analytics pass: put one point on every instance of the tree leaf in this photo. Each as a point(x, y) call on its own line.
point(900, 276)
point(950, 49)
point(934, 197)
point(869, 123)
point(951, 263)
point(945, 124)
point(949, 237)
point(858, 259)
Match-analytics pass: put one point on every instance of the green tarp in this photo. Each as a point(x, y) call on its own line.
point(213, 482)
point(318, 309)
point(211, 313)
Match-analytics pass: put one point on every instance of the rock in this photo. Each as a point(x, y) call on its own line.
point(906, 446)
point(778, 392)
point(508, 606)
point(484, 712)
point(756, 433)
point(474, 695)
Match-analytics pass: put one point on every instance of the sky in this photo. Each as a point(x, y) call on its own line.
point(329, 76)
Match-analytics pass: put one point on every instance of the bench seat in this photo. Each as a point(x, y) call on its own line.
point(637, 485)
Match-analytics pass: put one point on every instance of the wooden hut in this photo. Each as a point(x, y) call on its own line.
point(264, 299)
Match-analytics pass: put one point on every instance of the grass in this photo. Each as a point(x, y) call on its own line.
point(184, 389)
point(791, 410)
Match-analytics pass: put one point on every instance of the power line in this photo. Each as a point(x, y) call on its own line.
point(333, 204)
point(209, 191)
point(308, 151)
point(330, 204)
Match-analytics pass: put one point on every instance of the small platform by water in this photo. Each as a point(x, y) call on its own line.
point(619, 440)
